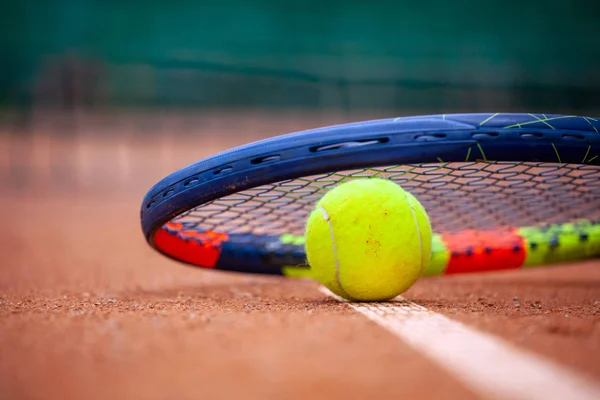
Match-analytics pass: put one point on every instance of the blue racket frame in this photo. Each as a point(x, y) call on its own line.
point(393, 141)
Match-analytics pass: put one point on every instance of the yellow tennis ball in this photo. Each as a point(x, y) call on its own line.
point(368, 240)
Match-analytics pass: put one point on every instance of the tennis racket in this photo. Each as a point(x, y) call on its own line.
point(503, 191)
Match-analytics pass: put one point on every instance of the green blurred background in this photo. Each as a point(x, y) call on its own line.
point(398, 57)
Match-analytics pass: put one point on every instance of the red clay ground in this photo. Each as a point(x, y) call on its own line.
point(87, 310)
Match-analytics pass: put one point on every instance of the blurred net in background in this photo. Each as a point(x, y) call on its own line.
point(107, 76)
point(345, 55)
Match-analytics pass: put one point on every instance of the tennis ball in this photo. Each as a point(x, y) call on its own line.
point(368, 240)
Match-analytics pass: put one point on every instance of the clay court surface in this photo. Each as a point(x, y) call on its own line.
point(89, 311)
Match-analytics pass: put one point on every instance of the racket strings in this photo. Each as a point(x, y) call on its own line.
point(457, 196)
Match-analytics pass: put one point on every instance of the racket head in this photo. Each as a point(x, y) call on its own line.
point(476, 174)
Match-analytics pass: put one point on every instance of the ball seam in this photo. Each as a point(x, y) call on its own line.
point(333, 245)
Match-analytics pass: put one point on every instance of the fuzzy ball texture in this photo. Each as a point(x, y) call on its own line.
point(368, 240)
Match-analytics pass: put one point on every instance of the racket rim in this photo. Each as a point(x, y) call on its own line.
point(446, 245)
point(419, 137)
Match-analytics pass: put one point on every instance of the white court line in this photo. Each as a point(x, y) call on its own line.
point(489, 366)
